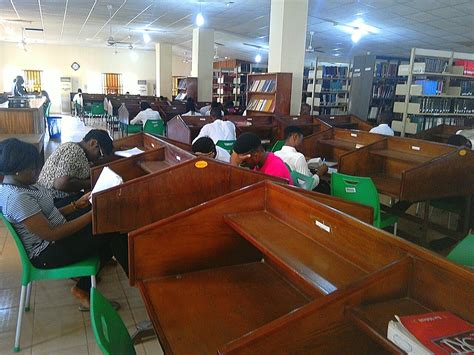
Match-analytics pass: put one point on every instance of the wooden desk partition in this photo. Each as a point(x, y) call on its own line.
point(345, 121)
point(23, 120)
point(266, 270)
point(331, 144)
point(185, 128)
point(307, 124)
point(265, 127)
point(413, 169)
point(439, 133)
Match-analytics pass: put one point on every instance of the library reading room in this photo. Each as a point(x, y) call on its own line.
point(236, 177)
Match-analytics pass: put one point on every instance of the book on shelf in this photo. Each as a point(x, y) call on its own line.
point(467, 87)
point(334, 72)
point(386, 70)
point(431, 87)
point(432, 333)
point(266, 86)
point(266, 105)
point(182, 84)
point(436, 65)
point(181, 96)
point(468, 66)
point(383, 91)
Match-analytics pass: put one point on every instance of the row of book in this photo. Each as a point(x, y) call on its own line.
point(181, 96)
point(182, 84)
point(331, 85)
point(446, 105)
point(383, 91)
point(334, 72)
point(463, 106)
point(431, 87)
point(329, 100)
point(468, 66)
point(436, 65)
point(265, 105)
point(467, 88)
point(263, 86)
point(386, 70)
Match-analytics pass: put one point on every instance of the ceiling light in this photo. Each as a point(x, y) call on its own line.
point(146, 38)
point(337, 54)
point(228, 3)
point(356, 36)
point(258, 58)
point(199, 19)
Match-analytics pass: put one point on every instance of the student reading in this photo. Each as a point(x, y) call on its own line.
point(249, 152)
point(219, 129)
point(50, 240)
point(204, 146)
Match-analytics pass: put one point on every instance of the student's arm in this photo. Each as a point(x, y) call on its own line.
point(39, 225)
point(74, 206)
point(238, 159)
point(137, 119)
point(71, 184)
point(204, 132)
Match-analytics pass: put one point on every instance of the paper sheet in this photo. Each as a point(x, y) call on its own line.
point(107, 179)
point(129, 152)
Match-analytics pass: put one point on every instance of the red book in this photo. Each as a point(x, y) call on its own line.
point(441, 332)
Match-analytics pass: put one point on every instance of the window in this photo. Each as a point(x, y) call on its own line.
point(112, 83)
point(32, 80)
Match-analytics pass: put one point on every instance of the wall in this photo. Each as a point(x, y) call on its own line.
point(55, 62)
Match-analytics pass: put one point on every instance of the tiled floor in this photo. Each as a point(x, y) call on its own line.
point(54, 325)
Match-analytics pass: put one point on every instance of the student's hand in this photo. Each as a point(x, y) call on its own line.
point(83, 202)
point(323, 169)
point(238, 159)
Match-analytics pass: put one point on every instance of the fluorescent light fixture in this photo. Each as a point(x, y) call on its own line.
point(258, 58)
point(199, 19)
point(356, 36)
point(358, 29)
point(146, 37)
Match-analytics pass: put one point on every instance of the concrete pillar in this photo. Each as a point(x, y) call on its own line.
point(203, 54)
point(288, 19)
point(164, 59)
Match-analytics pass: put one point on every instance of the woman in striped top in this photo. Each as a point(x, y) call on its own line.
point(50, 240)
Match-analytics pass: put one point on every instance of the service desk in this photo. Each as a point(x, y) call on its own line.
point(23, 120)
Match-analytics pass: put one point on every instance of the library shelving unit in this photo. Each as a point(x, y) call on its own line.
point(308, 84)
point(187, 87)
point(439, 89)
point(269, 94)
point(176, 79)
point(329, 89)
point(230, 80)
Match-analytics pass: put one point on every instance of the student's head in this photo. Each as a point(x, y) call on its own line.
point(249, 145)
point(215, 113)
point(459, 141)
point(190, 105)
point(144, 105)
point(79, 91)
point(45, 94)
point(19, 80)
point(96, 144)
point(386, 117)
point(20, 161)
point(229, 104)
point(204, 146)
point(293, 136)
point(305, 109)
point(215, 104)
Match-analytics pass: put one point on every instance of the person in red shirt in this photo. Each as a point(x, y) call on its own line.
point(249, 152)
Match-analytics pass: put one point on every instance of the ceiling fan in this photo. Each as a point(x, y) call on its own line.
point(310, 48)
point(111, 41)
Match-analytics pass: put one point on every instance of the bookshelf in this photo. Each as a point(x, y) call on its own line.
point(269, 94)
point(230, 80)
point(187, 87)
point(438, 89)
point(176, 80)
point(328, 88)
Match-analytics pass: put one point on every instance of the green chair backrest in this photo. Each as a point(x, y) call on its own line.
point(277, 146)
point(357, 189)
point(227, 145)
point(47, 109)
point(463, 253)
point(97, 108)
point(303, 181)
point(110, 332)
point(154, 127)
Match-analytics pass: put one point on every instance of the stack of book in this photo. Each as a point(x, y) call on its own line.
point(431, 87)
point(264, 105)
point(267, 86)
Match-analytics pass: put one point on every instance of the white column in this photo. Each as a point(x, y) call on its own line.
point(203, 54)
point(164, 80)
point(288, 19)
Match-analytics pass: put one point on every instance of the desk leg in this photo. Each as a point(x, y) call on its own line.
point(144, 330)
point(426, 218)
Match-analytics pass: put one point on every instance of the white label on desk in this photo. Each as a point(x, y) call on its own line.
point(331, 117)
point(353, 134)
point(359, 146)
point(249, 119)
point(202, 119)
point(357, 70)
point(414, 147)
point(178, 158)
point(356, 75)
point(295, 118)
point(153, 145)
point(368, 69)
point(323, 226)
point(351, 190)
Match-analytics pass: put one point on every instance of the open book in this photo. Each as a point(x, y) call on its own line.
point(107, 179)
point(129, 152)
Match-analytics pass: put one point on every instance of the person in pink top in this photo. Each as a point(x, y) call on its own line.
point(248, 151)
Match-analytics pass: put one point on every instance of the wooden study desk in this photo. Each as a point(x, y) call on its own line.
point(266, 127)
point(23, 120)
point(266, 270)
point(439, 133)
point(185, 128)
point(345, 121)
point(307, 124)
point(332, 143)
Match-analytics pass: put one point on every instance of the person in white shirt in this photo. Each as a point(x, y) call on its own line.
point(294, 159)
point(145, 114)
point(191, 108)
point(218, 130)
point(205, 147)
point(78, 102)
point(383, 128)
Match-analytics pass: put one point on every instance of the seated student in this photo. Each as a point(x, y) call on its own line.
point(218, 130)
point(229, 108)
point(50, 240)
point(305, 109)
point(459, 141)
point(383, 127)
point(145, 114)
point(18, 88)
point(204, 146)
point(67, 171)
point(191, 108)
point(467, 133)
point(214, 104)
point(78, 101)
point(295, 160)
point(205, 109)
point(249, 152)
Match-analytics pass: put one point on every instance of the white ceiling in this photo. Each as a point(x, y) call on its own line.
point(403, 24)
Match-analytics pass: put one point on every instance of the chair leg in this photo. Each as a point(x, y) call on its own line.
point(28, 297)
point(395, 228)
point(417, 211)
point(93, 282)
point(16, 348)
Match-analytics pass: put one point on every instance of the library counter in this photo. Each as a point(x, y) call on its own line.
point(22, 120)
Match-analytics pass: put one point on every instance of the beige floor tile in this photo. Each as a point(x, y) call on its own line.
point(9, 297)
point(153, 347)
point(8, 319)
point(76, 350)
point(10, 279)
point(54, 293)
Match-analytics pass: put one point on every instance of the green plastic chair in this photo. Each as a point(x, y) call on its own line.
point(303, 181)
point(362, 190)
point(109, 330)
point(154, 127)
point(277, 146)
point(130, 128)
point(463, 253)
point(227, 145)
point(88, 267)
